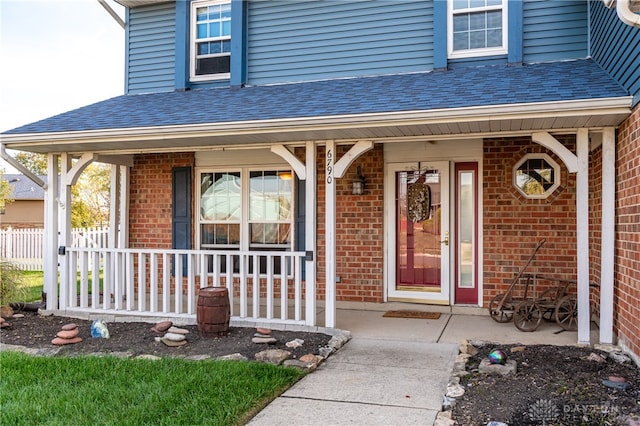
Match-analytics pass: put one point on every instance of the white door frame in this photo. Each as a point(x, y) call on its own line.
point(444, 295)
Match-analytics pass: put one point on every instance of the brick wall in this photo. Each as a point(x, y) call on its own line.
point(514, 224)
point(359, 229)
point(627, 257)
point(150, 190)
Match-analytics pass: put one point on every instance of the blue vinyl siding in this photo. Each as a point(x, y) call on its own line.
point(151, 49)
point(311, 40)
point(616, 47)
point(554, 30)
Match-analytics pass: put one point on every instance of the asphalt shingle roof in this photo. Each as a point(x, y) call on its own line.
point(24, 188)
point(459, 88)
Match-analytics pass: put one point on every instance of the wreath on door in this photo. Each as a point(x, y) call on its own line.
point(419, 202)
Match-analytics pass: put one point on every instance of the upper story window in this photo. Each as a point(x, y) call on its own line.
point(477, 28)
point(210, 39)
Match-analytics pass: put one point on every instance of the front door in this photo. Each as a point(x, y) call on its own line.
point(419, 270)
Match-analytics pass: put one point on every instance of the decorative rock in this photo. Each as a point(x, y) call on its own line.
point(503, 369)
point(454, 391)
point(267, 340)
point(295, 343)
point(162, 326)
point(517, 349)
point(149, 357)
point(5, 324)
point(173, 343)
point(273, 356)
point(308, 358)
point(444, 419)
point(18, 315)
point(2, 320)
point(261, 335)
point(325, 351)
point(619, 357)
point(158, 339)
point(198, 357)
point(494, 423)
point(263, 331)
point(299, 364)
point(174, 337)
point(467, 348)
point(448, 403)
point(59, 341)
point(70, 326)
point(232, 357)
point(617, 379)
point(338, 341)
point(595, 357)
point(68, 334)
point(177, 330)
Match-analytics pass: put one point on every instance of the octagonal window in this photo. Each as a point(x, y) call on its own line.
point(536, 176)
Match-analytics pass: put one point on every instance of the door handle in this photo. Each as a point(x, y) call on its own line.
point(446, 238)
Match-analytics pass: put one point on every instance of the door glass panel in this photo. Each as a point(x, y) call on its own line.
point(418, 213)
point(466, 212)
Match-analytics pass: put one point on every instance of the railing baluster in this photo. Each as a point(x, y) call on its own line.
point(106, 282)
point(153, 284)
point(177, 281)
point(142, 282)
point(256, 286)
point(95, 280)
point(284, 302)
point(72, 300)
point(229, 279)
point(166, 282)
point(270, 284)
point(191, 284)
point(84, 279)
point(117, 296)
point(297, 278)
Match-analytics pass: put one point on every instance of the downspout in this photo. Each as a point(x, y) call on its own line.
point(22, 169)
point(626, 15)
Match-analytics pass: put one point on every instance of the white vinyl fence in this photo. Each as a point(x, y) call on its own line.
point(24, 247)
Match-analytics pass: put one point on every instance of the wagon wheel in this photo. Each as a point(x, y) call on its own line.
point(566, 313)
point(500, 315)
point(527, 316)
point(546, 301)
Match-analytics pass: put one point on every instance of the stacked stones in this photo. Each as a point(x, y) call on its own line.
point(4, 323)
point(173, 336)
point(263, 335)
point(68, 335)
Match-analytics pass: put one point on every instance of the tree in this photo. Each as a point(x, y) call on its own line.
point(36, 163)
point(5, 191)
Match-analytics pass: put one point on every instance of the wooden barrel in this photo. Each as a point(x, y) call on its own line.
point(213, 311)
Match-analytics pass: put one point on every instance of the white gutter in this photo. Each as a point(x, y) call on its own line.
point(618, 105)
point(626, 15)
point(17, 165)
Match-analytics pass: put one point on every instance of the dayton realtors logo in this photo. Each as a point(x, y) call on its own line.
point(545, 412)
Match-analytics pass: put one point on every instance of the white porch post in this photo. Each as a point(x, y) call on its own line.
point(64, 238)
point(582, 226)
point(51, 233)
point(310, 234)
point(114, 216)
point(330, 234)
point(607, 249)
point(124, 207)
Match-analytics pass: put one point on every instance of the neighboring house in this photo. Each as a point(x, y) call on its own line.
point(27, 208)
point(360, 151)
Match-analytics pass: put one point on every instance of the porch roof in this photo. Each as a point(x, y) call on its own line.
point(500, 98)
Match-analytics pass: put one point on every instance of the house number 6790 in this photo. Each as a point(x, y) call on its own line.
point(329, 167)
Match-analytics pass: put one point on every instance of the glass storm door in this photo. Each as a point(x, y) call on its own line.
point(421, 213)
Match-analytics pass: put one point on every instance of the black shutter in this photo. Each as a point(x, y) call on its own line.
point(181, 212)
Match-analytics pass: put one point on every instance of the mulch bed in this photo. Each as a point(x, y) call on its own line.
point(553, 385)
point(137, 338)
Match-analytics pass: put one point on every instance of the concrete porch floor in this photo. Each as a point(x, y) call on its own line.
point(365, 320)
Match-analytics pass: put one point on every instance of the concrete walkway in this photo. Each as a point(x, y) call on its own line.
point(394, 371)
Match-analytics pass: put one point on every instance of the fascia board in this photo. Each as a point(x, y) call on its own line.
point(618, 105)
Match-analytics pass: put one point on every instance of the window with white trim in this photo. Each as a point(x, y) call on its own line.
point(246, 209)
point(476, 28)
point(210, 39)
point(536, 176)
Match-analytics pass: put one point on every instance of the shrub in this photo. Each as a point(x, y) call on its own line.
point(12, 287)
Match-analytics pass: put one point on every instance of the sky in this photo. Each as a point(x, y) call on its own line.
point(56, 56)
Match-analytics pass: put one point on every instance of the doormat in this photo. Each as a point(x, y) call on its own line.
point(412, 314)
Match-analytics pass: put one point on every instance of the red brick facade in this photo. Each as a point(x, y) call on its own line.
point(627, 257)
point(513, 224)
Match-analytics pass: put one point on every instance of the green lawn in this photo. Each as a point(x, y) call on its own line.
point(115, 391)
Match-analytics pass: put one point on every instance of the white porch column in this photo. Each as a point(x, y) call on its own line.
point(64, 237)
point(310, 234)
point(124, 207)
point(607, 249)
point(582, 227)
point(114, 216)
point(330, 234)
point(50, 286)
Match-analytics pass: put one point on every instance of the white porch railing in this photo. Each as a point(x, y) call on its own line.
point(263, 286)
